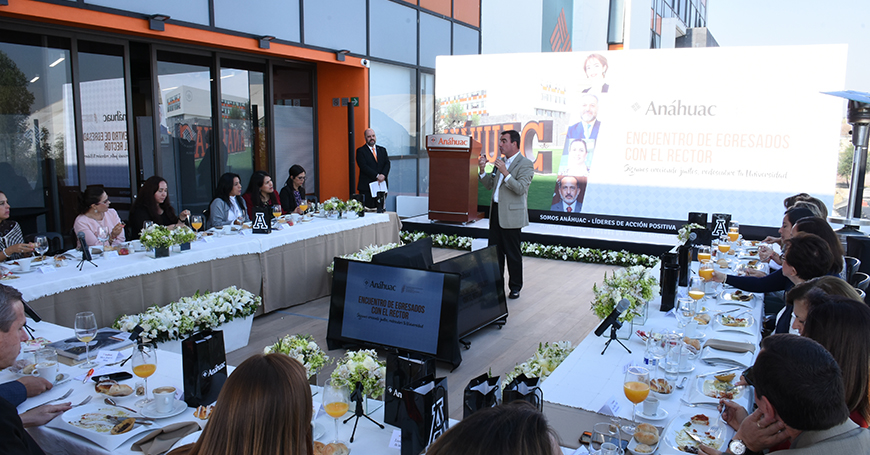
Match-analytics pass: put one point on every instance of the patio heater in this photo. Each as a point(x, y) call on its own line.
point(858, 115)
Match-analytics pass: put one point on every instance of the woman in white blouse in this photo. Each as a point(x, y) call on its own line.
point(228, 207)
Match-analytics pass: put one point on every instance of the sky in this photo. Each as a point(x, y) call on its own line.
point(793, 22)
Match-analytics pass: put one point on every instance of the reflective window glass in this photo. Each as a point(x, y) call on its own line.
point(293, 105)
point(243, 127)
point(437, 39)
point(195, 11)
point(393, 31)
point(392, 96)
point(282, 20)
point(466, 41)
point(335, 24)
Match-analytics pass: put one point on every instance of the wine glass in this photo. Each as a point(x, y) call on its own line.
point(196, 223)
point(336, 402)
point(276, 213)
point(303, 206)
point(602, 433)
point(636, 388)
point(724, 245)
point(686, 309)
point(86, 330)
point(144, 364)
point(103, 235)
point(704, 254)
point(41, 245)
point(696, 287)
point(705, 271)
point(734, 231)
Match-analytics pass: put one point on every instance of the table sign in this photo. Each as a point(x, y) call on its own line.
point(611, 407)
point(107, 356)
point(396, 440)
point(262, 222)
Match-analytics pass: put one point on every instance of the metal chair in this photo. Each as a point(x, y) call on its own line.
point(862, 294)
point(852, 266)
point(861, 281)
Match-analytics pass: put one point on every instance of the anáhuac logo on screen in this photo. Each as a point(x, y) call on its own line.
point(116, 117)
point(380, 285)
point(676, 108)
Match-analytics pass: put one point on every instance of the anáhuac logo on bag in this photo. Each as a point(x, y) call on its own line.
point(211, 372)
point(439, 421)
point(379, 285)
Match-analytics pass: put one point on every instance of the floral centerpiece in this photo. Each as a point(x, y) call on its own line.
point(547, 357)
point(334, 204)
point(302, 348)
point(361, 366)
point(179, 320)
point(636, 284)
point(364, 254)
point(685, 233)
point(354, 205)
point(157, 236)
point(183, 234)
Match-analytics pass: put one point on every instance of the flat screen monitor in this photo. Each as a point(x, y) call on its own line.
point(415, 255)
point(386, 306)
point(481, 289)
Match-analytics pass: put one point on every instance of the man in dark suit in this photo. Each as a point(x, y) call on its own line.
point(569, 190)
point(586, 128)
point(374, 165)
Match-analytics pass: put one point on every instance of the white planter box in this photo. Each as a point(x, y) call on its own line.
point(236, 335)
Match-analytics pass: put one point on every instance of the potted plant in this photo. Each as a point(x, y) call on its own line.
point(353, 208)
point(364, 367)
point(304, 349)
point(636, 284)
point(159, 238)
point(334, 206)
point(183, 236)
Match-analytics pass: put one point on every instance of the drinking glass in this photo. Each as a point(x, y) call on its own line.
point(303, 206)
point(685, 312)
point(86, 330)
point(696, 287)
point(196, 223)
point(724, 246)
point(636, 388)
point(705, 271)
point(602, 433)
point(704, 254)
point(41, 245)
point(103, 235)
point(144, 364)
point(147, 225)
point(336, 402)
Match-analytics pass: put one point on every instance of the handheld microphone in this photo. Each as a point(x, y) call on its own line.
point(611, 318)
point(86, 250)
point(494, 168)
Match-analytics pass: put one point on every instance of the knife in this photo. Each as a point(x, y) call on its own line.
point(718, 372)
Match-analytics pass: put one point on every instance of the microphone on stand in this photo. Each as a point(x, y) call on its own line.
point(611, 318)
point(86, 250)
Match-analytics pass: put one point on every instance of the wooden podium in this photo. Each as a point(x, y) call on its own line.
point(453, 178)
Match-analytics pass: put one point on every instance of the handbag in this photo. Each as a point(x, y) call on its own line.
point(526, 389)
point(204, 367)
point(427, 414)
point(402, 371)
point(480, 393)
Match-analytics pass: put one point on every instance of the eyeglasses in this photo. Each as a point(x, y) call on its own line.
point(105, 202)
point(748, 376)
point(300, 177)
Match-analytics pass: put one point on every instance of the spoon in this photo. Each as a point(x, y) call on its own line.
point(112, 402)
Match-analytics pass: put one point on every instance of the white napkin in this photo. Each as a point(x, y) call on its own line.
point(744, 358)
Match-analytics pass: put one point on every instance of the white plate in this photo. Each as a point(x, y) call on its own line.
point(749, 329)
point(705, 386)
point(725, 299)
point(104, 439)
point(669, 436)
point(318, 431)
point(633, 443)
point(19, 271)
point(151, 410)
point(661, 415)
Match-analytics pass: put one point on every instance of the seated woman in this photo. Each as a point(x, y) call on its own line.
point(263, 408)
point(228, 207)
point(293, 192)
point(803, 296)
point(791, 217)
point(516, 428)
point(94, 213)
point(152, 204)
point(820, 227)
point(260, 193)
point(11, 239)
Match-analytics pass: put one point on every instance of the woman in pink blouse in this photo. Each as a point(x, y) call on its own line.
point(95, 213)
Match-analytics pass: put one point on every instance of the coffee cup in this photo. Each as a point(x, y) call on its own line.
point(24, 264)
point(46, 364)
point(295, 217)
point(651, 406)
point(228, 229)
point(164, 398)
point(692, 329)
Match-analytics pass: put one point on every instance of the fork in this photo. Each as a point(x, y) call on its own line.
point(68, 393)
point(714, 429)
point(84, 402)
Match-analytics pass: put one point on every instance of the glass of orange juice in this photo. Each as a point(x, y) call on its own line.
point(704, 254)
point(144, 362)
point(303, 206)
point(705, 270)
point(724, 246)
point(336, 402)
point(196, 223)
point(636, 388)
point(696, 288)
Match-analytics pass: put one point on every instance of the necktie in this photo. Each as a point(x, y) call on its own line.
point(569, 209)
point(375, 153)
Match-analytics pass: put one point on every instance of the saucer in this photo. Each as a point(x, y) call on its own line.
point(661, 415)
point(151, 410)
point(18, 270)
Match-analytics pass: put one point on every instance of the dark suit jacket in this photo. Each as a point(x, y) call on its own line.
point(369, 168)
point(575, 131)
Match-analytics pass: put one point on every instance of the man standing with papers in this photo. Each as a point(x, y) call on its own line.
point(508, 210)
point(374, 166)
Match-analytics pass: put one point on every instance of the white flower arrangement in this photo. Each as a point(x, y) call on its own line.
point(636, 284)
point(545, 360)
point(189, 315)
point(685, 233)
point(361, 366)
point(364, 254)
point(157, 236)
point(334, 203)
point(302, 348)
point(183, 234)
point(353, 205)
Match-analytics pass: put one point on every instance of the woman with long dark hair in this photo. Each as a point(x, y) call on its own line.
point(228, 207)
point(152, 204)
point(293, 192)
point(94, 213)
point(260, 193)
point(12, 244)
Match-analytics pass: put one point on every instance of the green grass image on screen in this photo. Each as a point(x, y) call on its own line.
point(540, 191)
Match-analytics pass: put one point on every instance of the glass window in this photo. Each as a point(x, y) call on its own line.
point(38, 157)
point(336, 24)
point(243, 122)
point(393, 31)
point(427, 118)
point(186, 139)
point(195, 11)
point(293, 101)
point(392, 96)
point(615, 26)
point(466, 41)
point(437, 39)
point(281, 19)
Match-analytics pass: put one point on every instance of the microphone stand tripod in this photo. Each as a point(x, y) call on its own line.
point(357, 396)
point(81, 263)
point(613, 328)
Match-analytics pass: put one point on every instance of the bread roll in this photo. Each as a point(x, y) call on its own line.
point(649, 439)
point(647, 428)
point(643, 448)
point(319, 447)
point(336, 449)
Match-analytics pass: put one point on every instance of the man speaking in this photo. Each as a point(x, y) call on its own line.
point(508, 209)
point(374, 165)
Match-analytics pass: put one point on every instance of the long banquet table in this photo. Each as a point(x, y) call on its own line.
point(286, 268)
point(577, 392)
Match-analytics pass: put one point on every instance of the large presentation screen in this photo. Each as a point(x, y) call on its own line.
point(636, 139)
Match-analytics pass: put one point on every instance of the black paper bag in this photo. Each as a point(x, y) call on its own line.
point(402, 371)
point(426, 406)
point(262, 222)
point(204, 366)
point(480, 393)
point(526, 389)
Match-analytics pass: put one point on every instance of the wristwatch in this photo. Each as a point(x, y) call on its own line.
point(737, 447)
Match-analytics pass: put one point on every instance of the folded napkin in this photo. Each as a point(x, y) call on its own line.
point(730, 346)
point(744, 359)
point(161, 440)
